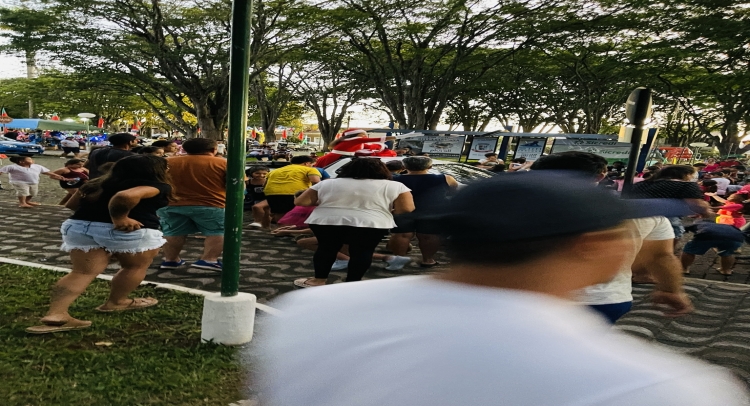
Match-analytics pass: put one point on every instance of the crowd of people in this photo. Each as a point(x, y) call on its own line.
point(530, 251)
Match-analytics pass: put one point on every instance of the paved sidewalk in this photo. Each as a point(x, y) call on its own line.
point(718, 331)
point(269, 264)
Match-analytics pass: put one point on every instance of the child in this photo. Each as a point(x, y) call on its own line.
point(255, 199)
point(732, 211)
point(726, 239)
point(77, 174)
point(24, 177)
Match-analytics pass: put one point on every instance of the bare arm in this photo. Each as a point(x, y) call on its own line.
point(404, 203)
point(124, 201)
point(699, 206)
point(314, 178)
point(452, 182)
point(74, 202)
point(658, 258)
point(308, 198)
point(53, 175)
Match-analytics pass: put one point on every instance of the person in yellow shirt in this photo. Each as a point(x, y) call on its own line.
point(284, 182)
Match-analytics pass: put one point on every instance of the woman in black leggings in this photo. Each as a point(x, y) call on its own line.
point(356, 209)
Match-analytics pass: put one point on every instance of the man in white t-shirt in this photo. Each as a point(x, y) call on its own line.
point(653, 239)
point(498, 328)
point(70, 146)
point(221, 149)
point(722, 183)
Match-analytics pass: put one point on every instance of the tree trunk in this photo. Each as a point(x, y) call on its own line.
point(31, 74)
point(206, 122)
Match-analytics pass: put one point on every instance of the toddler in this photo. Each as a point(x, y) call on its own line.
point(24, 177)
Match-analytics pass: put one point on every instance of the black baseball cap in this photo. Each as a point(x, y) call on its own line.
point(542, 204)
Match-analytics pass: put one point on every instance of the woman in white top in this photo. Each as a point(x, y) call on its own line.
point(355, 209)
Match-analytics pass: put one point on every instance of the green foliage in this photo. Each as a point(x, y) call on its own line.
point(155, 356)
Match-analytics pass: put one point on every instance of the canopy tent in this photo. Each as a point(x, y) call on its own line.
point(37, 124)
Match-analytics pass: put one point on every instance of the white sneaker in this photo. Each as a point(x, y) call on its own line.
point(397, 263)
point(340, 264)
point(255, 224)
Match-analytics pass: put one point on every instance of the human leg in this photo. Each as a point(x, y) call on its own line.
point(176, 226)
point(86, 267)
point(330, 240)
point(213, 245)
point(22, 191)
point(686, 260)
point(173, 247)
point(727, 264)
point(33, 191)
point(362, 243)
point(131, 274)
point(726, 251)
point(67, 197)
point(429, 244)
point(399, 243)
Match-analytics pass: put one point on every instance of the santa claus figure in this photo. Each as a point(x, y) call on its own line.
point(355, 142)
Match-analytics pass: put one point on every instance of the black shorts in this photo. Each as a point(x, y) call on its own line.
point(280, 204)
point(410, 223)
point(68, 150)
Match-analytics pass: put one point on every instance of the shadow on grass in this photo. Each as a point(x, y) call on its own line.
point(148, 357)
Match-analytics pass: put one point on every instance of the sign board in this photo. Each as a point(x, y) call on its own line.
point(449, 147)
point(530, 148)
point(5, 119)
point(611, 150)
point(481, 146)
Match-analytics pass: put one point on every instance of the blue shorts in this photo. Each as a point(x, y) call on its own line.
point(700, 247)
point(90, 235)
point(177, 221)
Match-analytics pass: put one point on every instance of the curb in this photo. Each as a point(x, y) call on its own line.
point(268, 309)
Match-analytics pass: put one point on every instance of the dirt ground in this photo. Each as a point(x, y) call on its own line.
point(50, 191)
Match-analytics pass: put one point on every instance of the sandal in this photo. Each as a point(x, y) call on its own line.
point(421, 265)
point(137, 303)
point(303, 283)
point(69, 325)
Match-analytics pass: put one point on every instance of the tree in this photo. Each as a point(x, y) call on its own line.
point(28, 31)
point(411, 52)
point(326, 90)
point(174, 54)
point(272, 93)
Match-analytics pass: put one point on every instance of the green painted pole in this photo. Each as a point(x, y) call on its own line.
point(239, 72)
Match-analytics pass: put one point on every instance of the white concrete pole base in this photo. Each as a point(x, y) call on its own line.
point(228, 320)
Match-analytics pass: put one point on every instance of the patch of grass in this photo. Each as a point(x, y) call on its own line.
point(156, 357)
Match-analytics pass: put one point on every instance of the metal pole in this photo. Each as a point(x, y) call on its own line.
point(239, 73)
point(637, 114)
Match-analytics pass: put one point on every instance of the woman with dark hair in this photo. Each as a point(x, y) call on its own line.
point(115, 215)
point(669, 182)
point(353, 209)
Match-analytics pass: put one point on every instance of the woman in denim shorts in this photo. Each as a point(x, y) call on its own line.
point(115, 215)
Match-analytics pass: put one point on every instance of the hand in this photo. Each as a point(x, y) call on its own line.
point(126, 224)
point(678, 304)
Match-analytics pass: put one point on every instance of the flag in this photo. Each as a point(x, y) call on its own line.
point(136, 125)
point(301, 135)
point(55, 117)
point(253, 133)
point(3, 113)
point(101, 123)
point(283, 134)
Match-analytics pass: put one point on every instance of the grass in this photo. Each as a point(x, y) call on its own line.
point(155, 356)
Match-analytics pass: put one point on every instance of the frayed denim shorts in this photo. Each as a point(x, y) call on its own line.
point(91, 235)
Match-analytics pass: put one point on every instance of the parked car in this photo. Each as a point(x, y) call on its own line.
point(13, 147)
point(464, 173)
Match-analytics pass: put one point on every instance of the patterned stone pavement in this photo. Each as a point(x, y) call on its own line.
point(269, 264)
point(718, 331)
